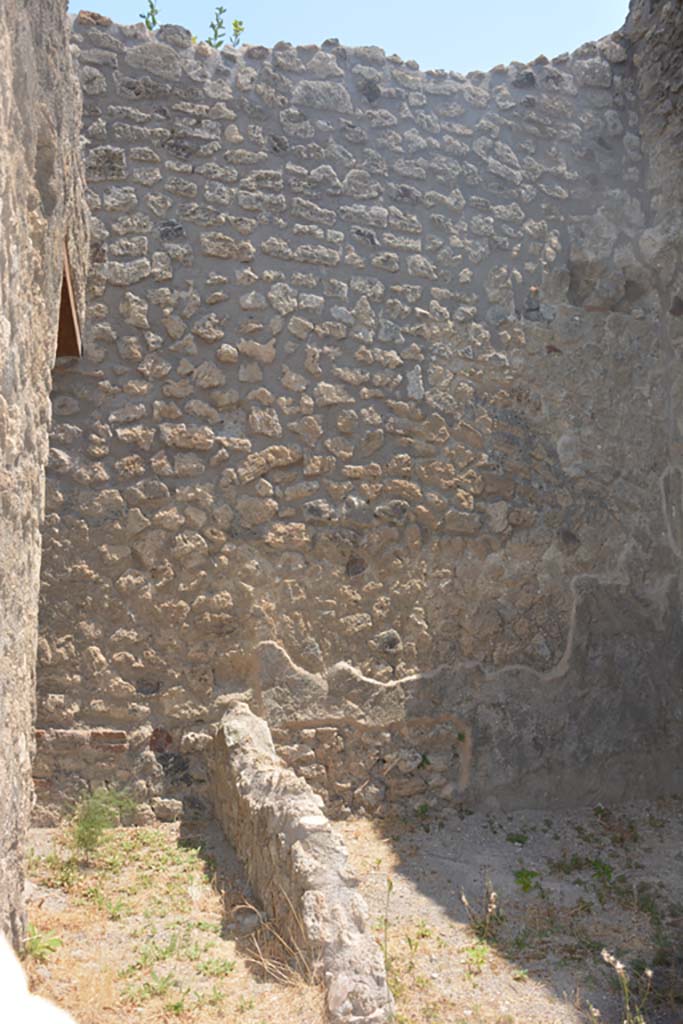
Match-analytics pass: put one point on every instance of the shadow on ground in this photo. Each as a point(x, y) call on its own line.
point(566, 886)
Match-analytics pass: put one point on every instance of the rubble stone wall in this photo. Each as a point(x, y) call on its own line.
point(299, 868)
point(41, 209)
point(373, 428)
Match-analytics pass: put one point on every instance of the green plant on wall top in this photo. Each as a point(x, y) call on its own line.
point(151, 18)
point(217, 26)
point(237, 30)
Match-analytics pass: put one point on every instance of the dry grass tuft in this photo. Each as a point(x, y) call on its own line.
point(287, 959)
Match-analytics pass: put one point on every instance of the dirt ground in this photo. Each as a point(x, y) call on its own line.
point(566, 886)
point(157, 922)
point(157, 925)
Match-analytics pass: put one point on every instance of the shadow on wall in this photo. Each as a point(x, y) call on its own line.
point(599, 726)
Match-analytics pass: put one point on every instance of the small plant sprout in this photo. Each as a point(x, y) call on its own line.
point(217, 26)
point(39, 945)
point(602, 872)
point(237, 30)
point(477, 955)
point(216, 967)
point(151, 18)
point(524, 878)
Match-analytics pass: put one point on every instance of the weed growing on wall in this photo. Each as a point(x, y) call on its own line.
point(237, 30)
point(217, 27)
point(150, 19)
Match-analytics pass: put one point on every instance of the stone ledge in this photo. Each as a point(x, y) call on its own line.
point(297, 866)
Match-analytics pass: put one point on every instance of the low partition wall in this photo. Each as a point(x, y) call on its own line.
point(297, 866)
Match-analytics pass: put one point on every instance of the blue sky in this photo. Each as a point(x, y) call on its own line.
point(437, 33)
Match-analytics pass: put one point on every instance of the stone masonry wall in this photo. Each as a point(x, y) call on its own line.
point(657, 33)
point(372, 428)
point(41, 209)
point(299, 868)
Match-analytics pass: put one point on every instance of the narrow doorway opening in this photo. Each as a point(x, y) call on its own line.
point(69, 331)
